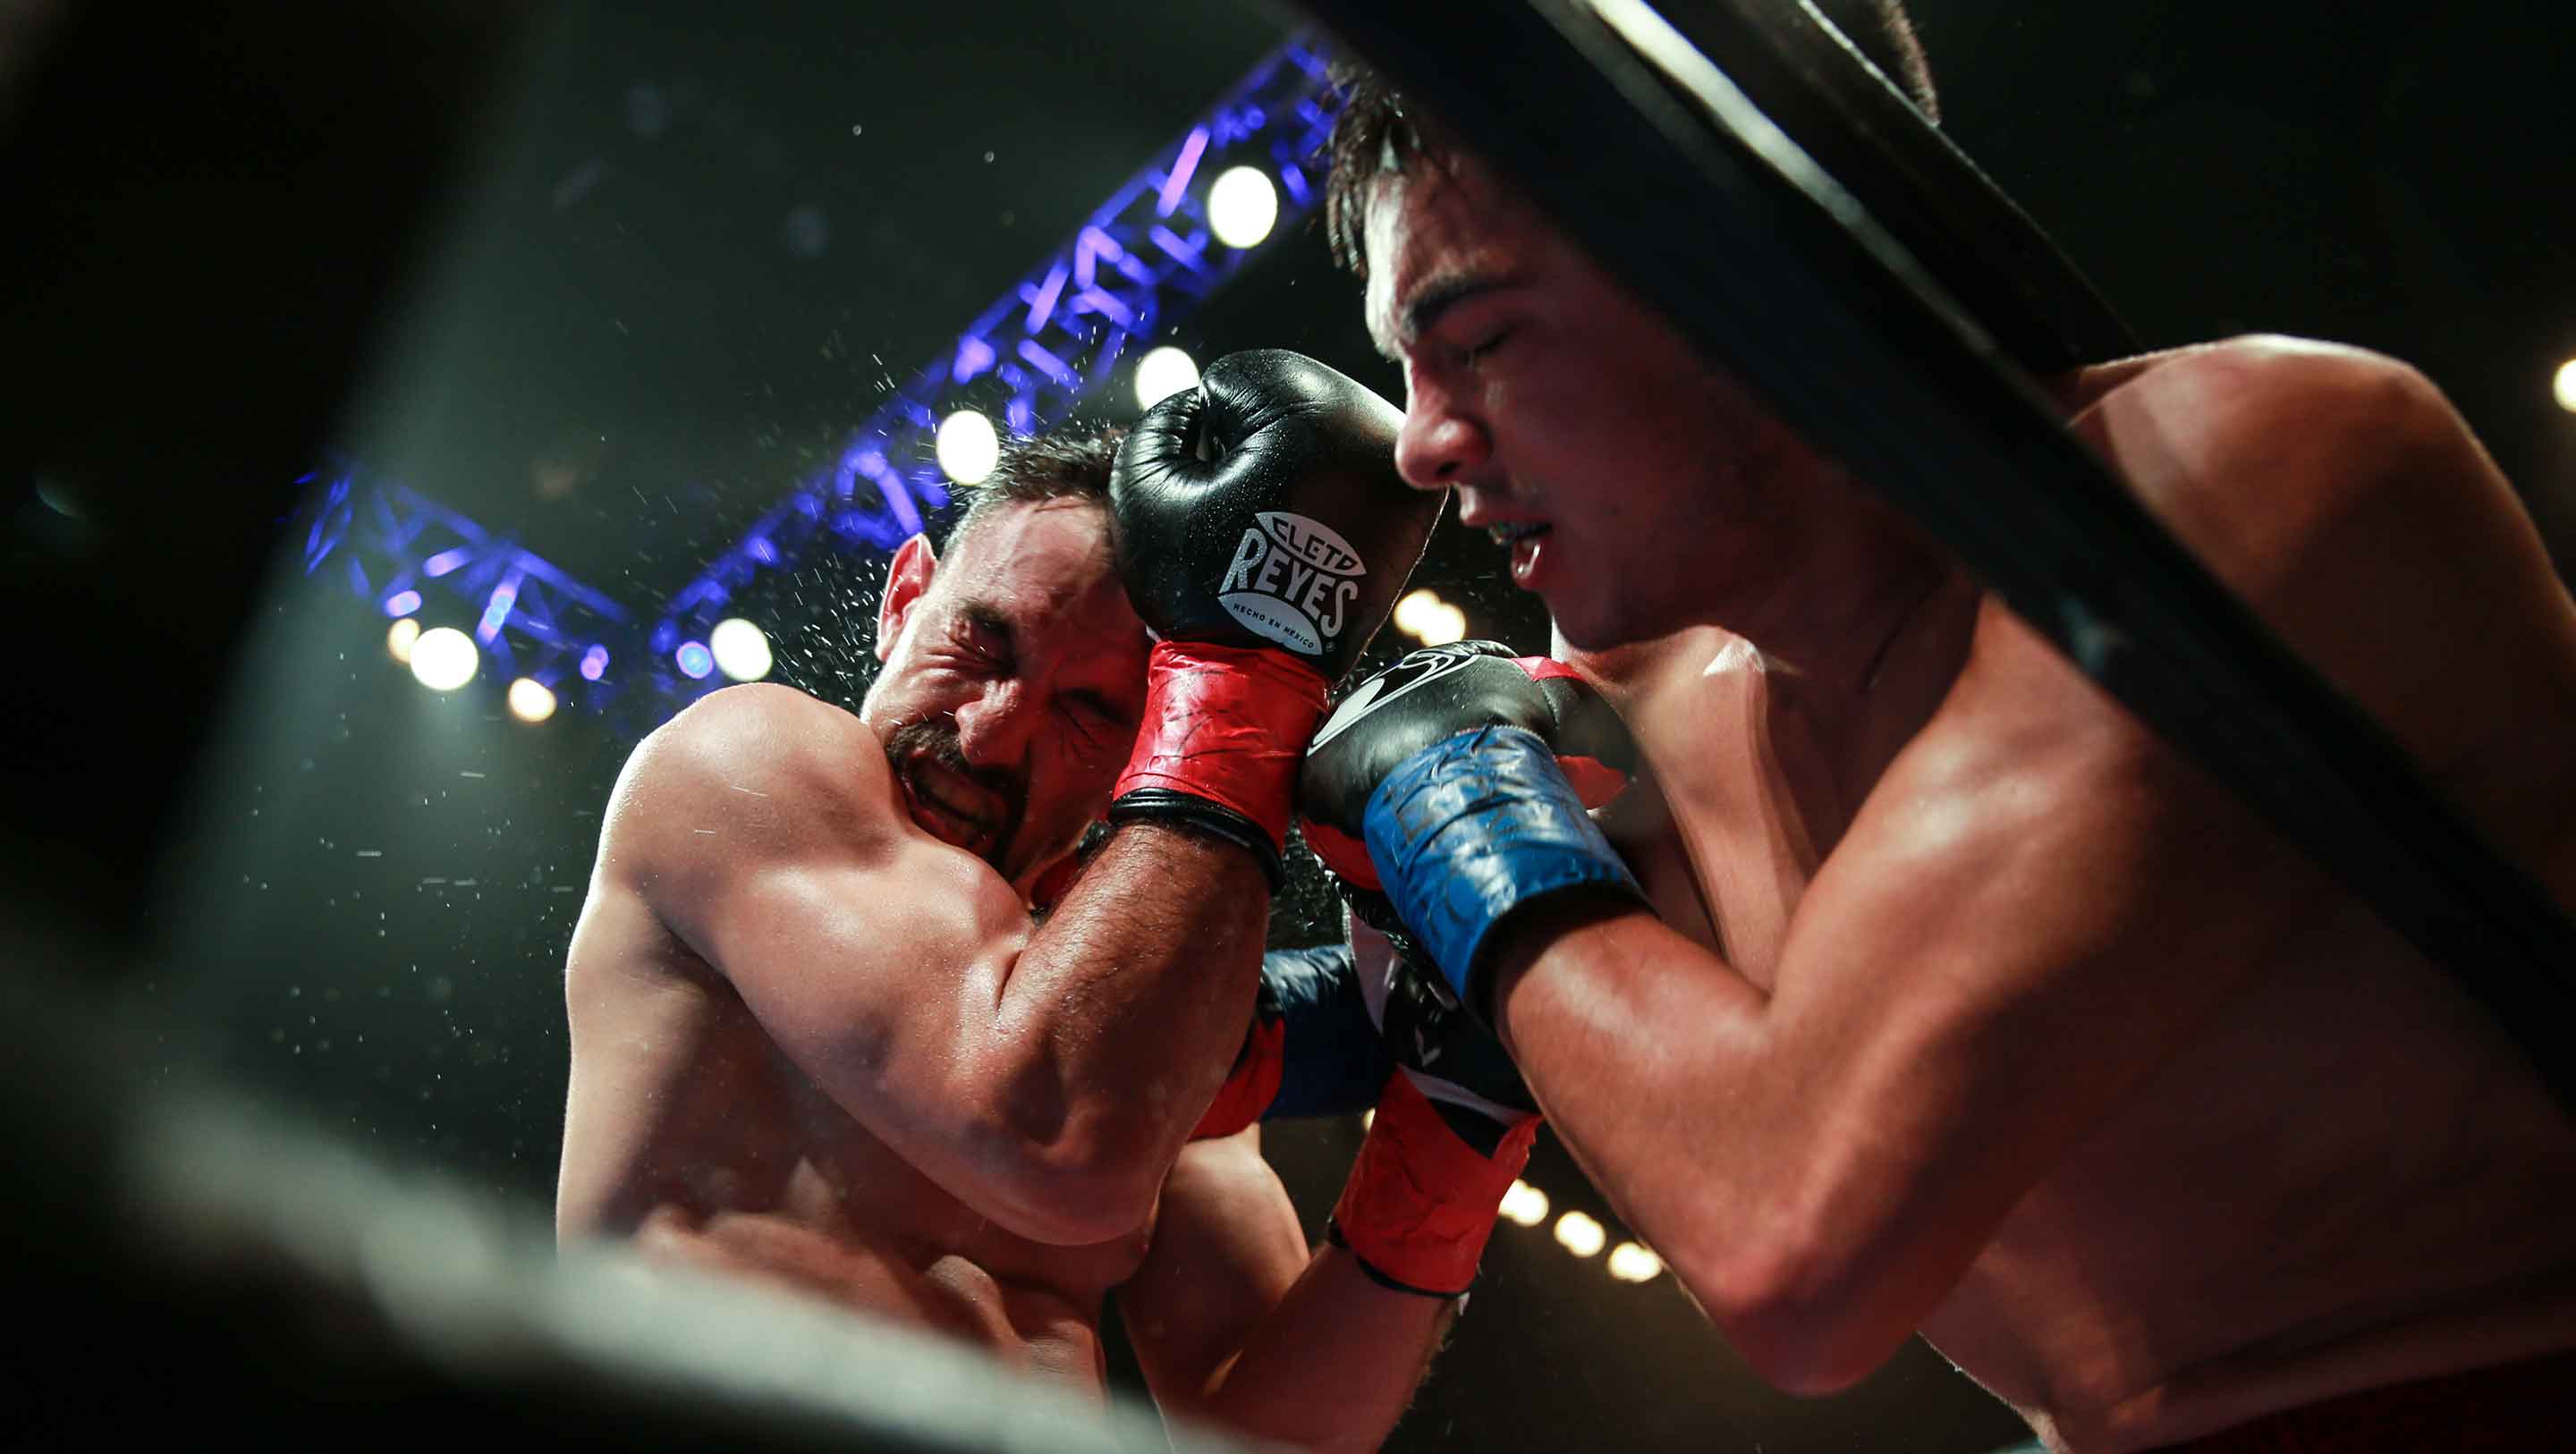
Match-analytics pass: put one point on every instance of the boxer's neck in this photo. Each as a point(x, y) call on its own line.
point(1853, 607)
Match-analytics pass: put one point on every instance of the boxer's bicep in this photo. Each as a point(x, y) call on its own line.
point(1226, 1249)
point(878, 975)
point(870, 954)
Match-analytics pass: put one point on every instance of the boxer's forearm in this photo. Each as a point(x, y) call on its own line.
point(1117, 1022)
point(1651, 1059)
point(1333, 1365)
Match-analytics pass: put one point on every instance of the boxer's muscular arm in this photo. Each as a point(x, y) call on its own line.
point(1236, 1325)
point(1044, 1076)
point(2037, 903)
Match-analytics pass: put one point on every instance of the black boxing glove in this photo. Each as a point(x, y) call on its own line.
point(1263, 509)
point(1438, 692)
point(1493, 760)
point(1264, 535)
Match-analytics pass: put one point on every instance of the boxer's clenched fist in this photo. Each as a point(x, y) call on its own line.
point(1455, 784)
point(1262, 509)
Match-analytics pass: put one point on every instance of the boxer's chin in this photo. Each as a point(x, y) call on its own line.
point(1591, 618)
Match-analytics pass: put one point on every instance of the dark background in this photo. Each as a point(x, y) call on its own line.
point(659, 260)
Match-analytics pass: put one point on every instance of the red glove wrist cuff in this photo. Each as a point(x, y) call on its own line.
point(1254, 1084)
point(1420, 1203)
point(1229, 724)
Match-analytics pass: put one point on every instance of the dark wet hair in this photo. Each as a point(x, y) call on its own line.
point(1376, 122)
point(1068, 463)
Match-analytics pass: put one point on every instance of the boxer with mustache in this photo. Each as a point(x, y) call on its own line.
point(849, 1019)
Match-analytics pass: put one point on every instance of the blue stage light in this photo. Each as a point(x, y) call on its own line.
point(1049, 345)
point(1046, 348)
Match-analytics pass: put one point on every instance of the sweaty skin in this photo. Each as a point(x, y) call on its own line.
point(819, 1042)
point(1965, 1007)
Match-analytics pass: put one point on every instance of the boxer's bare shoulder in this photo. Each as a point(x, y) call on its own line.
point(762, 763)
point(2325, 1090)
point(2340, 493)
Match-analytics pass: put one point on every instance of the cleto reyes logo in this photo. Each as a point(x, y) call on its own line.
point(1292, 580)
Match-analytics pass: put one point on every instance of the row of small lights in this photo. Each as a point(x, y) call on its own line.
point(443, 659)
point(1525, 1205)
point(1577, 1232)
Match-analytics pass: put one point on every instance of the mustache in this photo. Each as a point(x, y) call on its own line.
point(935, 739)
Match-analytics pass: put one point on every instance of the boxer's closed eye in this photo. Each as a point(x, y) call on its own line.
point(1477, 353)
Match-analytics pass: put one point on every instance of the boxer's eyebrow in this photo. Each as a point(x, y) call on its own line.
point(1436, 299)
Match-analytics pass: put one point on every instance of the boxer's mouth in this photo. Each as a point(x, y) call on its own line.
point(955, 810)
point(1526, 540)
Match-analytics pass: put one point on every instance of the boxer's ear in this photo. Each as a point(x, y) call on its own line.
point(907, 579)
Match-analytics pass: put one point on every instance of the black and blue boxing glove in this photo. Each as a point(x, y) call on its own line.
point(1455, 785)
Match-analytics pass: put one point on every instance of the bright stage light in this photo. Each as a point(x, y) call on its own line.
point(967, 447)
point(402, 603)
point(1416, 611)
point(1525, 1204)
point(741, 651)
point(530, 701)
point(1430, 620)
point(1164, 372)
point(1448, 629)
point(1579, 1234)
point(1630, 1262)
point(444, 659)
point(695, 660)
point(2567, 386)
point(400, 638)
point(1242, 206)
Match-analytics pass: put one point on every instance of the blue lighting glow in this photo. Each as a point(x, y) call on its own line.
point(1046, 348)
point(1048, 345)
point(396, 549)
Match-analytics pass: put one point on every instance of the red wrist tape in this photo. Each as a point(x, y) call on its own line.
point(1253, 1085)
point(1229, 724)
point(1421, 1203)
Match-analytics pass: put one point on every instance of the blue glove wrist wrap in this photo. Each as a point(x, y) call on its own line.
point(1336, 1062)
point(1476, 826)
